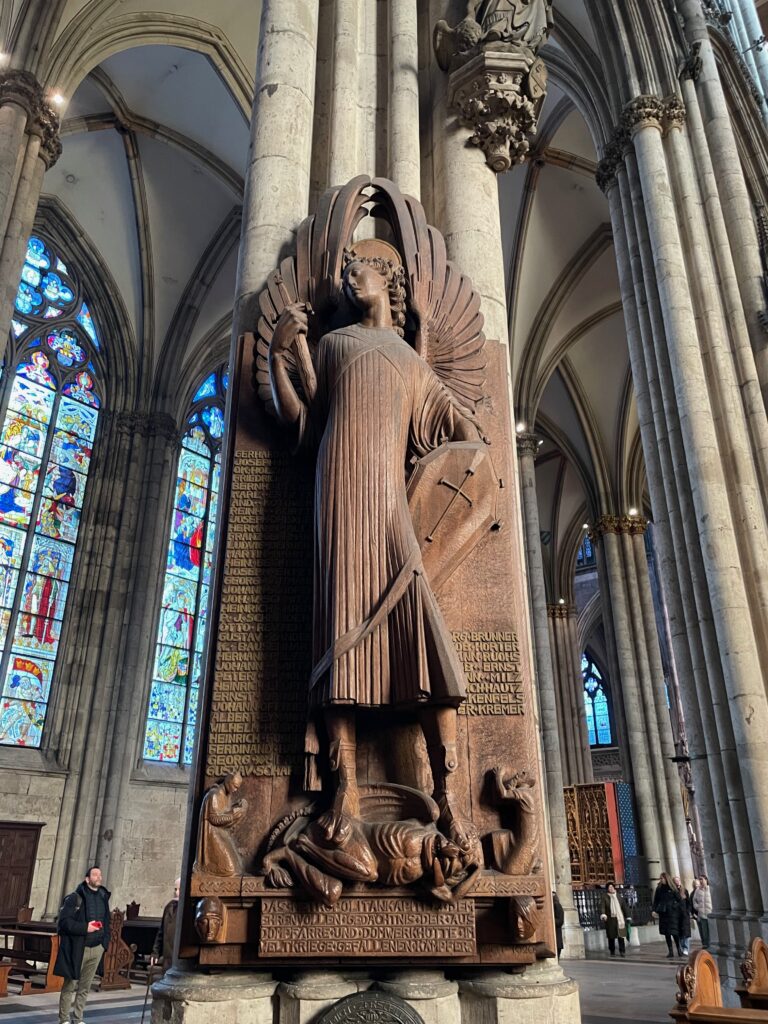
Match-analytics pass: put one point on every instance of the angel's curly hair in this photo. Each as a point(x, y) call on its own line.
point(394, 274)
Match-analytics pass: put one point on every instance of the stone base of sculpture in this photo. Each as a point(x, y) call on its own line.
point(307, 997)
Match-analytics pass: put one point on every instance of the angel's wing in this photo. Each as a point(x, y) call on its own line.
point(447, 308)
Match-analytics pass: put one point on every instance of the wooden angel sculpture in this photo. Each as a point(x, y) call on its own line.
point(369, 399)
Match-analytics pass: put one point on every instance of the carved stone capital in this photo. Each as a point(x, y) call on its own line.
point(674, 113)
point(24, 90)
point(613, 157)
point(643, 112)
point(559, 611)
point(499, 97)
point(144, 424)
point(618, 524)
point(46, 124)
point(527, 444)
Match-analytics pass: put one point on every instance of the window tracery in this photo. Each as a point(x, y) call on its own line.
point(596, 704)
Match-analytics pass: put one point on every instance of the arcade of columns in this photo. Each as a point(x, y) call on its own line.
point(692, 290)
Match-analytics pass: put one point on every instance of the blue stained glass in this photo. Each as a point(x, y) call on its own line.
point(27, 299)
point(34, 608)
point(596, 705)
point(37, 254)
point(225, 380)
point(213, 418)
point(171, 665)
point(162, 741)
point(176, 628)
point(81, 389)
point(21, 722)
point(179, 593)
point(11, 546)
point(30, 275)
point(207, 389)
point(67, 350)
point(190, 498)
point(194, 439)
point(166, 702)
point(85, 320)
point(195, 418)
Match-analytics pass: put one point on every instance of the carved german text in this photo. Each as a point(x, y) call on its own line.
point(492, 667)
point(366, 927)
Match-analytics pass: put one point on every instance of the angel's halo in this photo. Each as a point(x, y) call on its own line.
point(367, 248)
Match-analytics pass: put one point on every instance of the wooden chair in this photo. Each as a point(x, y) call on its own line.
point(700, 998)
point(118, 959)
point(754, 968)
point(132, 911)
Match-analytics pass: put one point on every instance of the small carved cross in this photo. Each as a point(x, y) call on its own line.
point(458, 491)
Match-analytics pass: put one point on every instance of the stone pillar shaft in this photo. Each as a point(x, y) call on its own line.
point(527, 446)
point(278, 172)
point(344, 156)
point(712, 496)
point(404, 144)
point(566, 659)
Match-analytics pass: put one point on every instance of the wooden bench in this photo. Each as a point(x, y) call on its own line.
point(754, 968)
point(700, 998)
point(23, 951)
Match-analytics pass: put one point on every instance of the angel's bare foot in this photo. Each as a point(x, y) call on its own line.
point(279, 877)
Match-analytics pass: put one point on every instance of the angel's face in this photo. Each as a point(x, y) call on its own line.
point(363, 284)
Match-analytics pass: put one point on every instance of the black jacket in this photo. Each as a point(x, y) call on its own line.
point(670, 906)
point(72, 928)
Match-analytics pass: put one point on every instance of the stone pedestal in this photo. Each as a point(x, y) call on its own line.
point(542, 993)
point(230, 997)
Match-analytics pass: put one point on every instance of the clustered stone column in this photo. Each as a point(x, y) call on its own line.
point(552, 736)
point(29, 145)
point(569, 687)
point(642, 693)
point(684, 246)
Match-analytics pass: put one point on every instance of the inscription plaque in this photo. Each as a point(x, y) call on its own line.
point(366, 926)
point(492, 666)
point(263, 652)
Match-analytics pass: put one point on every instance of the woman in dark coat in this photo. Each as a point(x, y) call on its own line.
point(684, 923)
point(666, 907)
point(614, 913)
point(557, 906)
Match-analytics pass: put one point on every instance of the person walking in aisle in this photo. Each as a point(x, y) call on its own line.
point(684, 915)
point(665, 909)
point(701, 899)
point(83, 929)
point(614, 914)
point(162, 951)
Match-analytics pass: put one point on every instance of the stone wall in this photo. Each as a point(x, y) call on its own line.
point(27, 796)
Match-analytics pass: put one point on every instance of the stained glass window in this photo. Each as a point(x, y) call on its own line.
point(596, 704)
point(585, 558)
point(172, 713)
point(50, 410)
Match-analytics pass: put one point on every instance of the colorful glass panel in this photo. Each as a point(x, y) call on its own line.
point(45, 453)
point(596, 705)
point(67, 350)
point(172, 711)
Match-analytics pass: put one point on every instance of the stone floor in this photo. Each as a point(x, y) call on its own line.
point(637, 990)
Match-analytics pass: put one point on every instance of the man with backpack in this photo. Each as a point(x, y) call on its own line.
point(83, 929)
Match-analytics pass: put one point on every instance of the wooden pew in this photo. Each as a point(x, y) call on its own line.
point(700, 998)
point(754, 968)
point(24, 950)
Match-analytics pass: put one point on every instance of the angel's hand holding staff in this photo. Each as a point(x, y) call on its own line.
point(290, 329)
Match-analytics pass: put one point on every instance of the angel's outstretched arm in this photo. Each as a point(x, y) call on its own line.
point(292, 322)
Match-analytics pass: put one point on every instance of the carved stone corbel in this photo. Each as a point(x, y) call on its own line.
point(498, 82)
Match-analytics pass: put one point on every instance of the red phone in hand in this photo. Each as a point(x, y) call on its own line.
point(97, 923)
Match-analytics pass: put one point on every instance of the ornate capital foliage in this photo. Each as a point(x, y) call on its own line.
point(560, 611)
point(641, 112)
point(23, 89)
point(527, 444)
point(618, 524)
point(498, 82)
point(144, 424)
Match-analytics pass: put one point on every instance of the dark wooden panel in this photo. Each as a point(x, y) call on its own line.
point(18, 852)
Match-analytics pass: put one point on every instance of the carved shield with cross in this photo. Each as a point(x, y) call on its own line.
point(453, 495)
